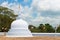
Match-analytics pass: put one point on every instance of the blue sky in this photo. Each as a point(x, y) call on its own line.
point(18, 2)
point(35, 11)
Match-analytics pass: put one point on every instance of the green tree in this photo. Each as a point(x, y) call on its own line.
point(42, 28)
point(6, 17)
point(31, 27)
point(49, 28)
point(58, 29)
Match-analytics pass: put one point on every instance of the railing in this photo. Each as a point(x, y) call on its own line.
point(37, 34)
point(46, 34)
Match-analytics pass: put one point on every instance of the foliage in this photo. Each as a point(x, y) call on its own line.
point(47, 28)
point(42, 28)
point(58, 29)
point(6, 17)
point(33, 28)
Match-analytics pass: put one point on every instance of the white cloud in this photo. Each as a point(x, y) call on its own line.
point(5, 4)
point(22, 12)
point(44, 5)
point(13, 6)
point(49, 4)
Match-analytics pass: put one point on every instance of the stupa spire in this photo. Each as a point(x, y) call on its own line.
point(19, 12)
point(19, 6)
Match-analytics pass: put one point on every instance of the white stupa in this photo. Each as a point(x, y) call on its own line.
point(19, 28)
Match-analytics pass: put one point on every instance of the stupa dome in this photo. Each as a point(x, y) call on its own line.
point(19, 24)
point(19, 28)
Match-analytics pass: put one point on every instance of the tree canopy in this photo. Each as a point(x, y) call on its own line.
point(6, 17)
point(43, 28)
point(58, 29)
